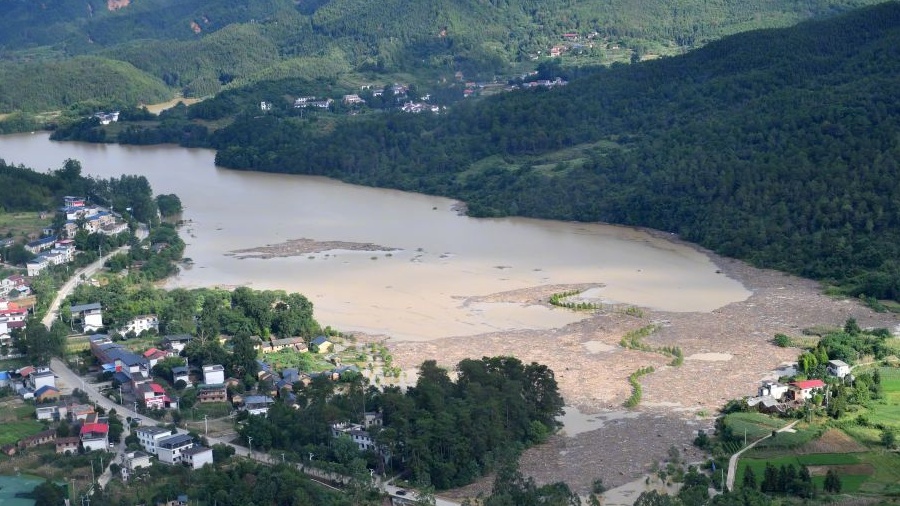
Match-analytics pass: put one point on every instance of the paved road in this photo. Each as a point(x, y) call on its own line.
point(87, 271)
point(732, 462)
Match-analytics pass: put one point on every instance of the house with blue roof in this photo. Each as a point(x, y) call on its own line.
point(321, 344)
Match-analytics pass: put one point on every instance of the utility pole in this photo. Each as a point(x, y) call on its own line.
point(206, 423)
point(250, 444)
point(282, 458)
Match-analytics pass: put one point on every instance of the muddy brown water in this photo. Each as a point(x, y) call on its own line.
point(415, 293)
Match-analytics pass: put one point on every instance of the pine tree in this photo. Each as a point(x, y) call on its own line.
point(749, 478)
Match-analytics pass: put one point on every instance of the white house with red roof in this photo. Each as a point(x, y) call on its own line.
point(153, 396)
point(804, 390)
point(154, 355)
point(94, 436)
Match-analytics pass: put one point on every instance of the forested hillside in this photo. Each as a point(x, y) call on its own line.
point(200, 47)
point(777, 146)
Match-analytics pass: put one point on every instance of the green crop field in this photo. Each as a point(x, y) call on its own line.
point(851, 482)
point(12, 431)
point(888, 412)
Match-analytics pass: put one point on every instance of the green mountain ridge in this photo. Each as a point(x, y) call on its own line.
point(777, 146)
point(197, 48)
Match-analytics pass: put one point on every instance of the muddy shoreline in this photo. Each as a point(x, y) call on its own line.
point(727, 352)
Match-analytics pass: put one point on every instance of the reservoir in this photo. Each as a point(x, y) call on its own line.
point(418, 290)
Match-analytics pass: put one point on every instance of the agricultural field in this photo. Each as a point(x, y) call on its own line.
point(855, 455)
point(757, 425)
point(888, 412)
point(25, 223)
point(17, 420)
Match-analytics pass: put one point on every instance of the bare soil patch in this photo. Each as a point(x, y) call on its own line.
point(832, 441)
point(843, 470)
point(297, 247)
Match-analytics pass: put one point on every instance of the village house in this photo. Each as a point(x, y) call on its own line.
point(153, 396)
point(170, 450)
point(47, 413)
point(94, 436)
point(197, 456)
point(90, 315)
point(107, 117)
point(79, 412)
point(321, 344)
point(361, 437)
point(46, 393)
point(257, 404)
point(135, 460)
point(212, 393)
point(16, 283)
point(838, 368)
point(176, 343)
point(804, 390)
point(213, 375)
point(288, 343)
point(67, 445)
point(153, 356)
point(41, 377)
point(353, 99)
point(42, 244)
point(44, 437)
point(150, 437)
point(140, 324)
point(181, 373)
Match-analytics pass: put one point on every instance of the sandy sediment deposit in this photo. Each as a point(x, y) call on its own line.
point(298, 247)
point(727, 351)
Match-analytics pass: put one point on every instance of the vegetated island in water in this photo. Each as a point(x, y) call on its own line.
point(304, 246)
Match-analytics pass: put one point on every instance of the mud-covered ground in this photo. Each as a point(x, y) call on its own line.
point(727, 353)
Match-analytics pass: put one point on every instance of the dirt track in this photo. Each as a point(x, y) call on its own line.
point(727, 352)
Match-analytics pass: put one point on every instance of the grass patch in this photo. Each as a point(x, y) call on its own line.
point(210, 409)
point(304, 361)
point(23, 223)
point(12, 431)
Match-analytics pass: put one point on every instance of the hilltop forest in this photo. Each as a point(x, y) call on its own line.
point(121, 53)
point(778, 146)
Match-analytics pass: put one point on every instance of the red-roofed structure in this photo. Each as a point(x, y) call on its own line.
point(94, 428)
point(803, 390)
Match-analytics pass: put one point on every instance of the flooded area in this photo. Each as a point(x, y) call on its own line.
point(418, 290)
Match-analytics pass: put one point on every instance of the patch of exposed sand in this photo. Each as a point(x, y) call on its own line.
point(710, 357)
point(298, 247)
point(598, 347)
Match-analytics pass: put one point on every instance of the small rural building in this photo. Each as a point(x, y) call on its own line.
point(213, 374)
point(321, 344)
point(90, 315)
point(804, 390)
point(94, 436)
point(838, 368)
point(47, 393)
point(773, 389)
point(197, 456)
point(67, 445)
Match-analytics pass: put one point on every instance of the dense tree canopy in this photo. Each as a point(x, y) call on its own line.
point(776, 146)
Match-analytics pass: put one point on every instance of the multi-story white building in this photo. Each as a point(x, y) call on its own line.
point(150, 437)
point(171, 449)
point(140, 324)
